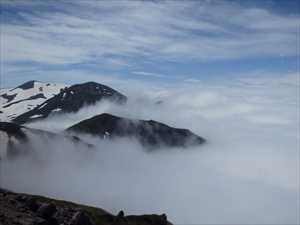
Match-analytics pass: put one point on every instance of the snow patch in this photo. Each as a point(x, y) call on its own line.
point(56, 110)
point(36, 116)
point(47, 89)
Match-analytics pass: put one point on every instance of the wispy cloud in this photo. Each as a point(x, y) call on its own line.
point(124, 32)
point(148, 74)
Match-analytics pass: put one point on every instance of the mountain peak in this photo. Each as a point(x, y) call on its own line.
point(72, 99)
point(26, 85)
point(149, 133)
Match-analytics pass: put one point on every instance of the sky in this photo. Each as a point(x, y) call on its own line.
point(161, 41)
point(226, 70)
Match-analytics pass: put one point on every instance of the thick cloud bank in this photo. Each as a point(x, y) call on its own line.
point(247, 173)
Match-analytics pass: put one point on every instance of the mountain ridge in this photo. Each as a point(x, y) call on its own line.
point(26, 209)
point(149, 133)
point(72, 99)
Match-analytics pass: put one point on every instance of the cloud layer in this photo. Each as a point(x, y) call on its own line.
point(248, 173)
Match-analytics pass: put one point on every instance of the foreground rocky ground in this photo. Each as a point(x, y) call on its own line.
point(24, 209)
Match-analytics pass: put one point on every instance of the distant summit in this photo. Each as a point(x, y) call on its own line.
point(25, 97)
point(72, 99)
point(27, 85)
point(149, 133)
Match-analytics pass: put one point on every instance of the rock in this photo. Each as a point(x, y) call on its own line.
point(120, 219)
point(40, 221)
point(81, 218)
point(32, 204)
point(120, 214)
point(46, 210)
point(52, 221)
point(13, 202)
point(21, 198)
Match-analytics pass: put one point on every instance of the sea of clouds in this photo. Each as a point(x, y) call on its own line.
point(247, 173)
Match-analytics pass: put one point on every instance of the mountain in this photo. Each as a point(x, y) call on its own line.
point(16, 139)
point(25, 209)
point(71, 99)
point(25, 97)
point(149, 133)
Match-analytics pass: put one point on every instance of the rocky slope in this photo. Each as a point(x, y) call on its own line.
point(149, 133)
point(71, 99)
point(25, 97)
point(25, 209)
point(16, 140)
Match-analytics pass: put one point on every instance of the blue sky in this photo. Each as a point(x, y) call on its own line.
point(166, 41)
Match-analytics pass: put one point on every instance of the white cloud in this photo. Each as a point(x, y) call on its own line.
point(160, 31)
point(148, 74)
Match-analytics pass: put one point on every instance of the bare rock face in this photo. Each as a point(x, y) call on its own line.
point(24, 209)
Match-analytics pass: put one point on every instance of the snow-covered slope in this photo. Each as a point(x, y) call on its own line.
point(25, 97)
point(72, 99)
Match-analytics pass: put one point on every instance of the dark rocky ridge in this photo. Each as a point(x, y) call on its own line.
point(19, 143)
point(25, 209)
point(149, 133)
point(27, 85)
point(72, 99)
point(12, 130)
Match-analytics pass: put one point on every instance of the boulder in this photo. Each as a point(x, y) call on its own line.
point(81, 218)
point(32, 204)
point(46, 210)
